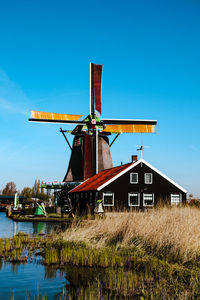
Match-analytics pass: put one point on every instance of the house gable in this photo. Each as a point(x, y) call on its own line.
point(160, 188)
point(132, 167)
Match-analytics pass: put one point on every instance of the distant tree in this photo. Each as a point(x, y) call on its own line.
point(36, 188)
point(42, 195)
point(9, 189)
point(27, 193)
point(38, 192)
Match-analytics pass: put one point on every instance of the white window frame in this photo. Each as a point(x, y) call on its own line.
point(131, 178)
point(175, 203)
point(133, 193)
point(145, 205)
point(108, 194)
point(145, 181)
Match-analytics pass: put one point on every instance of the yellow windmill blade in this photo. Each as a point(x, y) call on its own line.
point(130, 128)
point(37, 115)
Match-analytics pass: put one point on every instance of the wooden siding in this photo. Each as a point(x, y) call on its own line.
point(161, 188)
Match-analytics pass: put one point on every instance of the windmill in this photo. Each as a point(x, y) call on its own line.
point(90, 152)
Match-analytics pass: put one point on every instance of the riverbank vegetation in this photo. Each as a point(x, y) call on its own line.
point(171, 233)
point(146, 255)
point(51, 217)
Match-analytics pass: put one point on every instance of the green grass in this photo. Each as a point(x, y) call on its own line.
point(154, 255)
point(122, 273)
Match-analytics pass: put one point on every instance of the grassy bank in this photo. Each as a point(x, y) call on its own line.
point(50, 218)
point(147, 255)
point(21, 248)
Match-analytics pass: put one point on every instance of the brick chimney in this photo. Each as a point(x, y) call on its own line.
point(134, 158)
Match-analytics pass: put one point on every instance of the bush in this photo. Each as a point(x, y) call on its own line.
point(194, 203)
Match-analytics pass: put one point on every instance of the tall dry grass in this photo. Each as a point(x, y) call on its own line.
point(176, 229)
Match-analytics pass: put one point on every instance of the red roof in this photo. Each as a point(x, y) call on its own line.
point(97, 180)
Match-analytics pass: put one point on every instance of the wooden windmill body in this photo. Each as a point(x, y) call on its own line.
point(82, 160)
point(90, 152)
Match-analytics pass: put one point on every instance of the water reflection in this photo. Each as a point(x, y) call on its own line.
point(104, 284)
point(9, 228)
point(39, 227)
point(15, 228)
point(32, 280)
point(50, 272)
point(16, 267)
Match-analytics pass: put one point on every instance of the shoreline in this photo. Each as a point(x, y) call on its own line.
point(122, 272)
point(21, 218)
point(132, 252)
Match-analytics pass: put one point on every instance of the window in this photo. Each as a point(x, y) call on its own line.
point(133, 199)
point(176, 199)
point(133, 177)
point(148, 178)
point(81, 195)
point(108, 199)
point(148, 199)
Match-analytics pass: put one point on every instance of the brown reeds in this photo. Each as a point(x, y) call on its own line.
point(169, 231)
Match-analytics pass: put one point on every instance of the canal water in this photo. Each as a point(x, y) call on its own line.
point(9, 228)
point(28, 280)
point(35, 281)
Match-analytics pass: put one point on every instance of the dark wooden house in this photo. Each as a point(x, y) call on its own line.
point(135, 185)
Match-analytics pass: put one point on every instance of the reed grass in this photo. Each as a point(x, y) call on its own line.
point(126, 284)
point(142, 255)
point(20, 247)
point(171, 232)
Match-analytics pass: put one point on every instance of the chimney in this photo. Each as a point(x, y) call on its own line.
point(133, 158)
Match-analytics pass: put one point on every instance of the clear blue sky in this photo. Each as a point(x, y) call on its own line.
point(150, 51)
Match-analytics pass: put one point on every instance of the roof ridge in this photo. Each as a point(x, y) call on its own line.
point(110, 169)
point(111, 172)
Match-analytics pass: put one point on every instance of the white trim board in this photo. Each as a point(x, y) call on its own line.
point(134, 165)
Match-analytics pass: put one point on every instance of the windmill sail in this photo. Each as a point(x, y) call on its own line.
point(95, 87)
point(40, 116)
point(130, 128)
